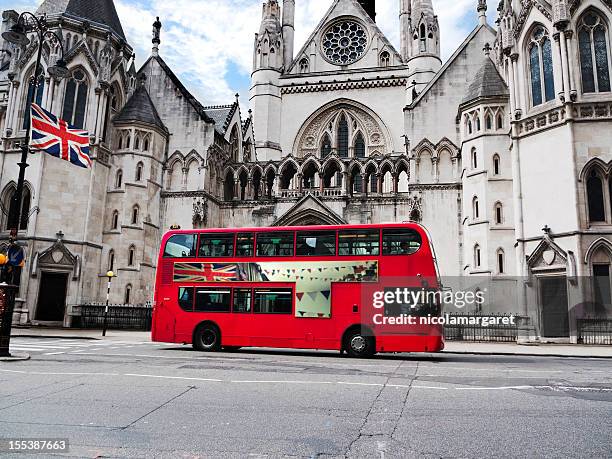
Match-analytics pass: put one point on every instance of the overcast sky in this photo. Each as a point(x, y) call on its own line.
point(209, 43)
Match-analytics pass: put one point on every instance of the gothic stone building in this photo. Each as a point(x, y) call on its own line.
point(503, 151)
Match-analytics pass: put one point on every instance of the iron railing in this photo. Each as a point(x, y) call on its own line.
point(595, 331)
point(473, 332)
point(120, 316)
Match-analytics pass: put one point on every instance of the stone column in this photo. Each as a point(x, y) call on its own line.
point(347, 184)
point(569, 34)
point(512, 86)
point(520, 100)
point(559, 65)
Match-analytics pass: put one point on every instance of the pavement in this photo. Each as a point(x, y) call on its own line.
point(451, 347)
point(125, 396)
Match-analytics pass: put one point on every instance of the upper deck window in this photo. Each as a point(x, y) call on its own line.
point(216, 245)
point(316, 243)
point(181, 246)
point(401, 241)
point(244, 244)
point(275, 244)
point(359, 242)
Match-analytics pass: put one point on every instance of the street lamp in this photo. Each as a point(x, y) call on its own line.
point(110, 276)
point(11, 272)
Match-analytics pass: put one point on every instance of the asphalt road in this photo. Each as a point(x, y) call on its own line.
point(127, 399)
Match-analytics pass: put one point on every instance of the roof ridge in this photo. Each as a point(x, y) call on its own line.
point(217, 107)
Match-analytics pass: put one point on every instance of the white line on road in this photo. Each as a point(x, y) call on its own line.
point(254, 381)
point(172, 377)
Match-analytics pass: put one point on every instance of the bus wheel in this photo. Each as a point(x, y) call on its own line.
point(207, 337)
point(358, 345)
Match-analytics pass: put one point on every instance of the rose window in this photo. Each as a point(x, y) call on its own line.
point(344, 42)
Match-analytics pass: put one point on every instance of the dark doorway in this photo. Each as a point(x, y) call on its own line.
point(52, 297)
point(553, 297)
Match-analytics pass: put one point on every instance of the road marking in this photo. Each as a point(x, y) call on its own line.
point(24, 348)
point(359, 384)
point(53, 353)
point(172, 377)
point(187, 378)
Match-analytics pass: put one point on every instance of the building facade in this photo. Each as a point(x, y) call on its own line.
point(502, 152)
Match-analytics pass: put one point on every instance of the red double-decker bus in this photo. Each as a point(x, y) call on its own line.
point(344, 288)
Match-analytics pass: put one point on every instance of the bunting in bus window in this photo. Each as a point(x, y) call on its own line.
point(312, 280)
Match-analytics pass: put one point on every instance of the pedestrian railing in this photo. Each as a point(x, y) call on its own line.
point(476, 332)
point(120, 316)
point(595, 331)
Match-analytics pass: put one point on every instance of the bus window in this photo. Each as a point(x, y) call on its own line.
point(359, 242)
point(242, 300)
point(401, 241)
point(316, 243)
point(275, 244)
point(212, 300)
point(216, 245)
point(181, 246)
point(273, 301)
point(185, 298)
point(244, 245)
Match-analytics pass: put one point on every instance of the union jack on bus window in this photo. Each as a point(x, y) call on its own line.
point(206, 272)
point(56, 137)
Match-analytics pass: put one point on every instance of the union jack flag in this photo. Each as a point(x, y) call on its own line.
point(205, 272)
point(56, 137)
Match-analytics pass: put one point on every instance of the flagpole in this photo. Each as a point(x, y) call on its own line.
point(11, 275)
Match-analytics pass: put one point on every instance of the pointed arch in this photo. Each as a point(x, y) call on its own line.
point(8, 194)
point(594, 51)
point(256, 178)
point(538, 48)
point(600, 243)
point(310, 135)
point(76, 95)
point(359, 147)
point(139, 174)
point(228, 184)
point(342, 136)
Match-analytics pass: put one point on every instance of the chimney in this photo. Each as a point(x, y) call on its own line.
point(370, 7)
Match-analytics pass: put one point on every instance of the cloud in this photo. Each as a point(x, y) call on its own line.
point(209, 44)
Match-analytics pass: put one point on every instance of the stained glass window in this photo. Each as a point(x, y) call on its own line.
point(359, 146)
point(541, 67)
point(40, 88)
point(75, 99)
point(593, 47)
point(325, 146)
point(343, 138)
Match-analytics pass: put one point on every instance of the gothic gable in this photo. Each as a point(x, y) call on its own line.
point(345, 21)
point(309, 211)
point(58, 254)
point(547, 255)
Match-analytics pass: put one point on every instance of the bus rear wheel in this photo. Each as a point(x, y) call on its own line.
point(207, 337)
point(358, 345)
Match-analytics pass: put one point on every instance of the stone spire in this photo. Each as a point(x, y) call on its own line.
point(269, 49)
point(405, 34)
point(157, 25)
point(288, 30)
point(425, 29)
point(482, 12)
